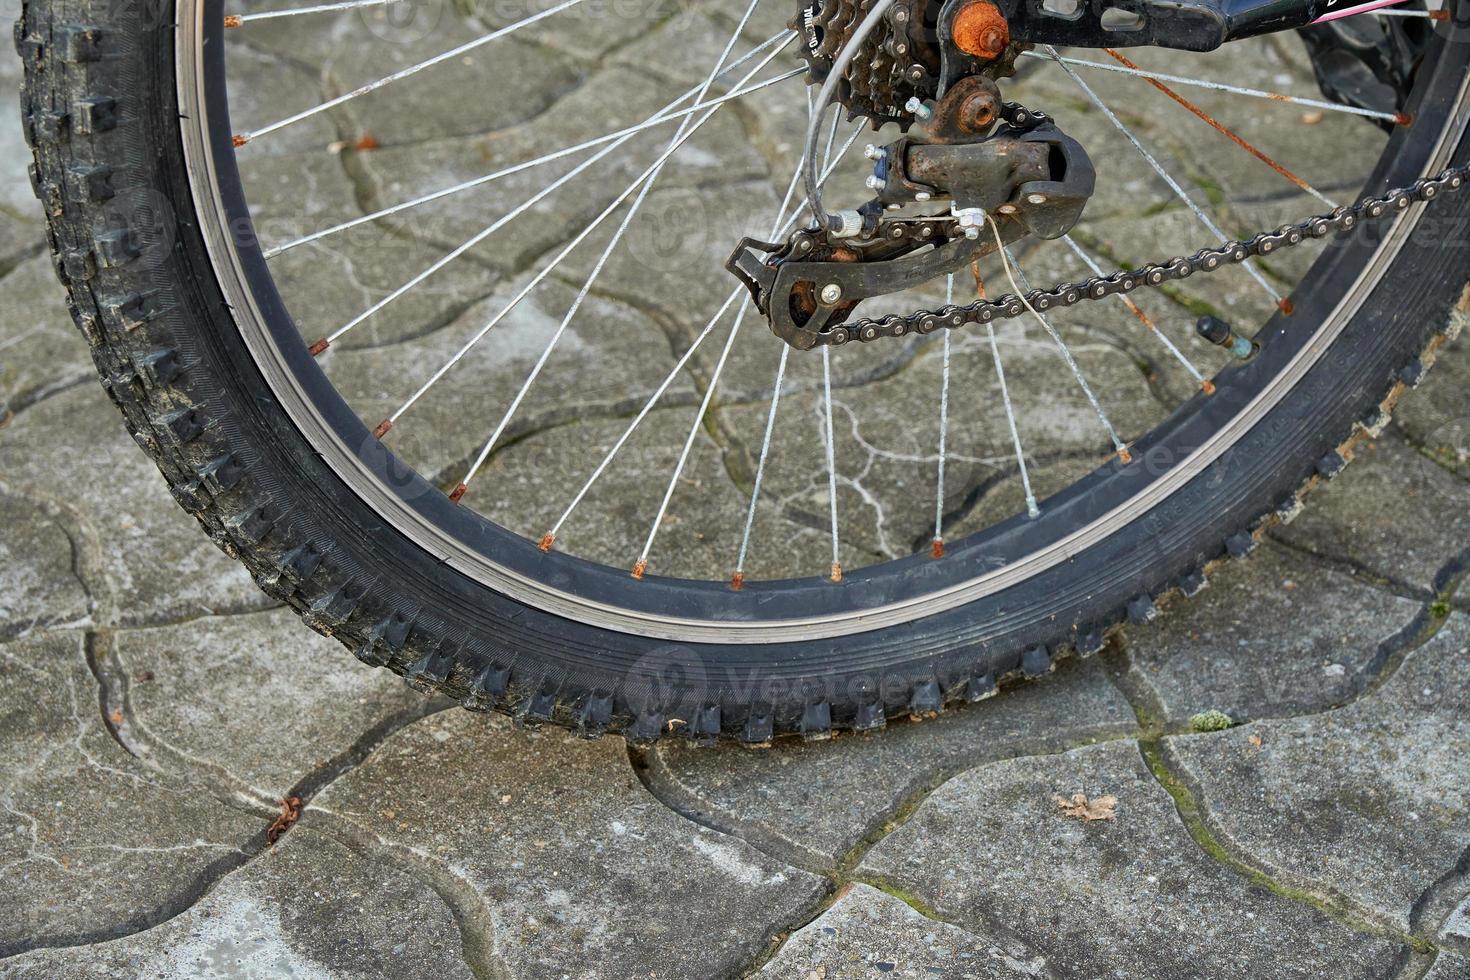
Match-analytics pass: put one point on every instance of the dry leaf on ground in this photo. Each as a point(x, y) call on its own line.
point(1080, 807)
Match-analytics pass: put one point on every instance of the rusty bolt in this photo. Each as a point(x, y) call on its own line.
point(980, 30)
point(979, 111)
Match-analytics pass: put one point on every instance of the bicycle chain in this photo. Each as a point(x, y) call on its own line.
point(1155, 274)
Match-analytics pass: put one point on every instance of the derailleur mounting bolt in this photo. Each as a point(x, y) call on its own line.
point(831, 294)
point(875, 183)
point(916, 106)
point(875, 152)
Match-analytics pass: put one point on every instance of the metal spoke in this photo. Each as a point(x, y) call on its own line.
point(597, 268)
point(239, 20)
point(642, 564)
point(1220, 87)
point(709, 393)
point(1032, 508)
point(831, 440)
point(520, 209)
point(938, 549)
point(1013, 271)
point(1205, 384)
point(737, 581)
point(438, 59)
point(1227, 132)
point(659, 118)
point(566, 250)
point(549, 538)
point(1159, 169)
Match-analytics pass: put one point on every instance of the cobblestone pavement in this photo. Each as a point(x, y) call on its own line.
point(155, 708)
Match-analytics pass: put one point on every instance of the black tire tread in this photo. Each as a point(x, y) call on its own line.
point(91, 137)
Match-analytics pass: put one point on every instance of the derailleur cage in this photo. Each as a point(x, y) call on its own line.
point(989, 160)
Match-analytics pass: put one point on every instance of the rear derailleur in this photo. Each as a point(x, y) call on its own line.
point(1004, 173)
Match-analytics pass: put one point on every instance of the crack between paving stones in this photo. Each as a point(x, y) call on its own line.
point(119, 720)
point(842, 875)
point(472, 915)
point(89, 568)
point(1345, 565)
point(1431, 912)
point(10, 263)
point(14, 630)
point(201, 886)
point(39, 394)
point(1428, 452)
point(1211, 839)
point(666, 788)
point(980, 490)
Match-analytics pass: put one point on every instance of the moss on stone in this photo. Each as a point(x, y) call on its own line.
point(1210, 721)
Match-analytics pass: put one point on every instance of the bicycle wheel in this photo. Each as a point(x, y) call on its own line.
point(398, 460)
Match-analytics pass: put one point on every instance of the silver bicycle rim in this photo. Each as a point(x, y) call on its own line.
point(203, 170)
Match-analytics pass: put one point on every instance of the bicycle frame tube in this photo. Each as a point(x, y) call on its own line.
point(1192, 25)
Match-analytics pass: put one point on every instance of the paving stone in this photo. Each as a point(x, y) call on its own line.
point(41, 353)
point(715, 154)
point(1449, 966)
point(866, 932)
point(605, 364)
point(144, 560)
point(266, 88)
point(817, 800)
point(591, 32)
point(538, 477)
point(516, 69)
point(308, 908)
point(575, 861)
point(21, 229)
point(1368, 801)
point(1436, 417)
point(39, 588)
point(1273, 635)
point(328, 282)
point(1392, 512)
point(887, 456)
point(1457, 926)
point(91, 842)
point(1132, 896)
point(187, 683)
